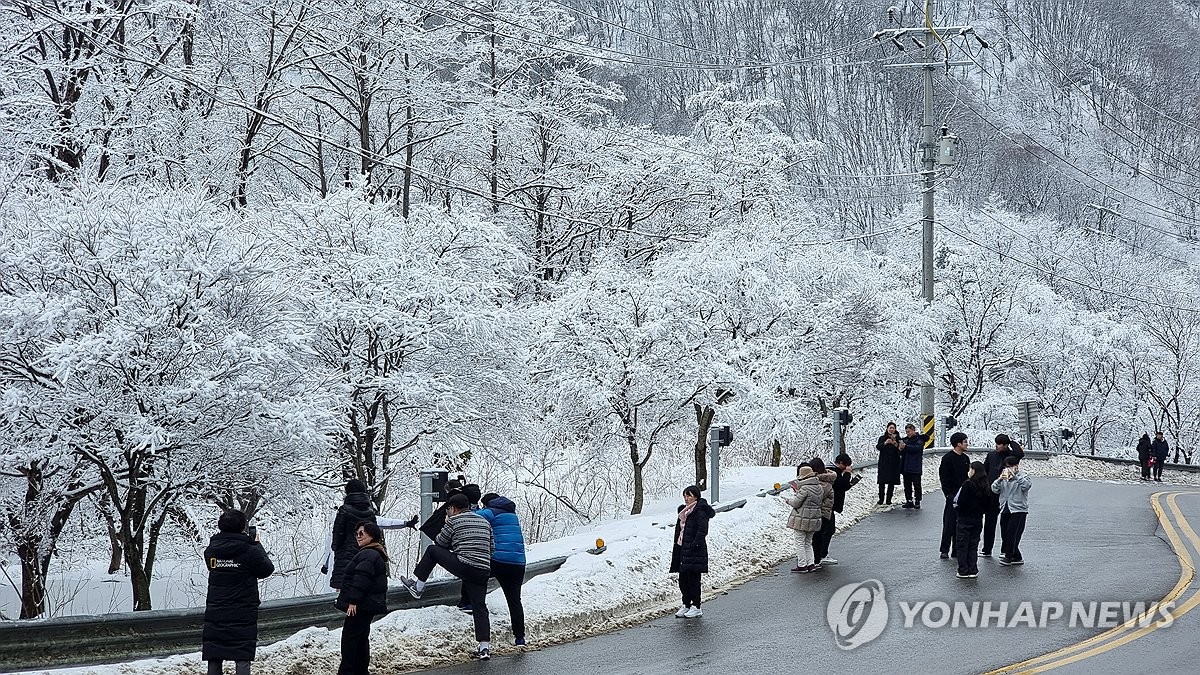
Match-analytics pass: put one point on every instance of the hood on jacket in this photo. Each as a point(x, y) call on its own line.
point(827, 476)
point(703, 506)
point(501, 505)
point(359, 500)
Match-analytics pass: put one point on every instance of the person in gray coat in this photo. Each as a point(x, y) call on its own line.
point(1013, 487)
point(805, 518)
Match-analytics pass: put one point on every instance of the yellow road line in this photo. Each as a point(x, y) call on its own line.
point(1120, 635)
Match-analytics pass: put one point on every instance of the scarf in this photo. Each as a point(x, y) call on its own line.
point(378, 547)
point(683, 516)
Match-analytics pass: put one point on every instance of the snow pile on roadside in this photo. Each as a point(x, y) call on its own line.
point(1083, 468)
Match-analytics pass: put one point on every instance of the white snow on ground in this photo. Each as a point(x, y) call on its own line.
point(593, 594)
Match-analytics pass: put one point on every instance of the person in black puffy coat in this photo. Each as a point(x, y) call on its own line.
point(235, 563)
point(689, 555)
point(356, 508)
point(363, 596)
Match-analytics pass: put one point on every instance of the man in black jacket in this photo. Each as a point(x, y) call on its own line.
point(842, 483)
point(952, 473)
point(994, 463)
point(1159, 450)
point(235, 563)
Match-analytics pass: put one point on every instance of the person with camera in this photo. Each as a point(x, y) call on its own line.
point(912, 461)
point(842, 482)
point(1013, 487)
point(235, 561)
point(362, 597)
point(970, 504)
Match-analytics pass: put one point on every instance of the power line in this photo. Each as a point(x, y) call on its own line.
point(1036, 48)
point(1176, 219)
point(1054, 275)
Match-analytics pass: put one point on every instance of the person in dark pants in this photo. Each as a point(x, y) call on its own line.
point(235, 563)
point(912, 449)
point(508, 558)
point(362, 597)
point(1013, 487)
point(1143, 451)
point(887, 472)
point(952, 473)
point(842, 482)
point(463, 548)
point(437, 520)
point(974, 498)
point(994, 462)
point(1159, 450)
point(823, 537)
point(689, 554)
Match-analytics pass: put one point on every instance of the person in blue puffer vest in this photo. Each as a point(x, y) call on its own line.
point(508, 558)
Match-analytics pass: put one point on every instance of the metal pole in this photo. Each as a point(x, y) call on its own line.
point(928, 151)
point(837, 432)
point(427, 495)
point(714, 464)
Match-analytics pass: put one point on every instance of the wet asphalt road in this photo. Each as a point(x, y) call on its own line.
point(1084, 542)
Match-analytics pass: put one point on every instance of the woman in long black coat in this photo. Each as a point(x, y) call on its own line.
point(355, 508)
point(362, 597)
point(888, 470)
point(689, 555)
point(235, 563)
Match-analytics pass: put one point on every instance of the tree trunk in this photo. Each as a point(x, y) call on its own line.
point(776, 453)
point(638, 489)
point(114, 543)
point(33, 580)
point(704, 418)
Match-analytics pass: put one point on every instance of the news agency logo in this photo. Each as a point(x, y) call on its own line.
point(857, 613)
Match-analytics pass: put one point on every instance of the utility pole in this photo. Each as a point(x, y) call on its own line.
point(935, 151)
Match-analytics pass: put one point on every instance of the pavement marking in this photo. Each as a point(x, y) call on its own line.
point(1121, 635)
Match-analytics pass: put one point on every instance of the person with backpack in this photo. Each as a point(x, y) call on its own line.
point(236, 561)
point(508, 557)
point(363, 596)
point(951, 474)
point(970, 504)
point(994, 462)
point(689, 553)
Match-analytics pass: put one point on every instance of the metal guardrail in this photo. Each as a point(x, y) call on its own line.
point(123, 636)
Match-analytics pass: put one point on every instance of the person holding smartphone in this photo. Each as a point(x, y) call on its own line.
point(235, 561)
point(1013, 487)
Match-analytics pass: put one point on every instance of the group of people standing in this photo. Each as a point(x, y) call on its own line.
point(980, 495)
point(475, 537)
point(1152, 455)
point(901, 457)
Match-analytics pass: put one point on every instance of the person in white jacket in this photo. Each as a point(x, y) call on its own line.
point(1013, 487)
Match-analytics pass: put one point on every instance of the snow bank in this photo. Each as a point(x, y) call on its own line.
point(593, 594)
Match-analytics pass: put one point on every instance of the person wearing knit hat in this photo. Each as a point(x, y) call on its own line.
point(805, 518)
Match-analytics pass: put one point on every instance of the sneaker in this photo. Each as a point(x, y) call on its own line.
point(907, 505)
point(520, 642)
point(694, 612)
point(815, 567)
point(411, 585)
point(828, 561)
point(945, 556)
point(986, 554)
point(960, 575)
point(879, 503)
point(1016, 562)
point(466, 609)
point(1005, 561)
point(799, 570)
point(683, 610)
point(917, 505)
point(484, 654)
